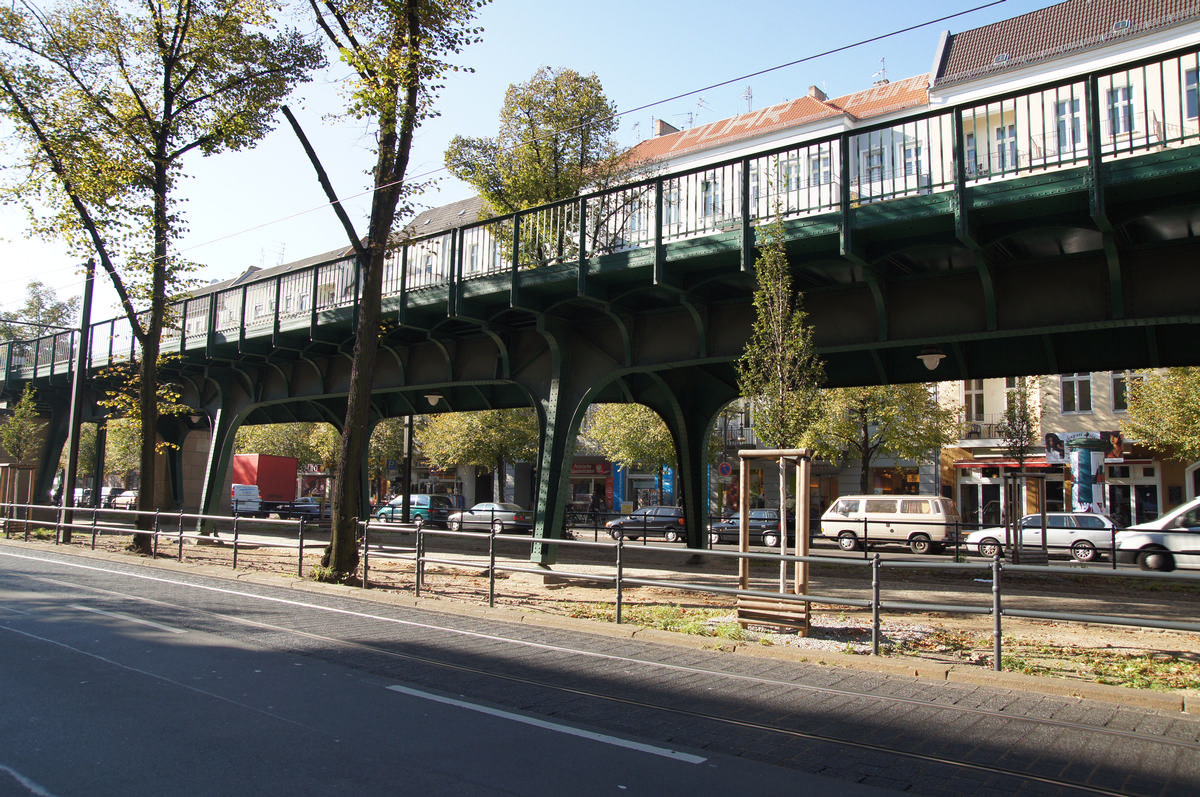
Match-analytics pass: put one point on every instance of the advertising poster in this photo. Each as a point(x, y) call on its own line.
point(1084, 455)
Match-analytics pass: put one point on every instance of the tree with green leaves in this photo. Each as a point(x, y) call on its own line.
point(557, 139)
point(1162, 411)
point(903, 421)
point(780, 372)
point(298, 440)
point(21, 433)
point(1021, 424)
point(630, 435)
point(489, 439)
point(42, 307)
point(108, 100)
point(397, 50)
point(387, 442)
point(21, 430)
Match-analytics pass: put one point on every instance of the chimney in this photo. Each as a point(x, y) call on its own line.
point(662, 128)
point(816, 93)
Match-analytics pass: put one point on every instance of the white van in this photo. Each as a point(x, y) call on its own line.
point(925, 523)
point(245, 500)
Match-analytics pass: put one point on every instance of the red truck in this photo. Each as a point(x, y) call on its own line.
point(275, 477)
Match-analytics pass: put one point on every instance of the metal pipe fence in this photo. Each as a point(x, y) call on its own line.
point(24, 520)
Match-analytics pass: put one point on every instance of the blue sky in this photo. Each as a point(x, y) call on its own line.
point(264, 207)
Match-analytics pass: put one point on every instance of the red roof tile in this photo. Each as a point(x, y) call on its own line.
point(1059, 29)
point(874, 101)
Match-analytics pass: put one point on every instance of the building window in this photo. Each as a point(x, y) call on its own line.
point(1012, 385)
point(873, 166)
point(1077, 392)
point(1070, 125)
point(473, 259)
point(818, 170)
point(789, 174)
point(1006, 147)
point(973, 399)
point(711, 193)
point(670, 206)
point(912, 159)
point(1191, 94)
point(1120, 110)
point(972, 155)
point(1120, 389)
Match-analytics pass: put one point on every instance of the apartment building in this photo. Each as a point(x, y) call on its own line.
point(1081, 460)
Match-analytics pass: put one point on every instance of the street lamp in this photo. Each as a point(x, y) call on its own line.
point(931, 356)
point(433, 397)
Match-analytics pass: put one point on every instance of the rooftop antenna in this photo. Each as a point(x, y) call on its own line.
point(882, 73)
point(701, 105)
point(749, 98)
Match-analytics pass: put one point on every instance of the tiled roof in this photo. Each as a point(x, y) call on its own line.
point(1057, 30)
point(445, 217)
point(880, 99)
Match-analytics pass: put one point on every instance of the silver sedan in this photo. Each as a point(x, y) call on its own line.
point(491, 515)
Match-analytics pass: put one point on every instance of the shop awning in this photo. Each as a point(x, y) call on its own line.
point(1034, 462)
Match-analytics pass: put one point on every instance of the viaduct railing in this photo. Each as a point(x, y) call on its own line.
point(1073, 130)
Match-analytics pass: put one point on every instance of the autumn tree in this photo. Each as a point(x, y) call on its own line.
point(630, 435)
point(903, 421)
point(298, 440)
point(107, 100)
point(42, 308)
point(780, 372)
point(397, 50)
point(21, 432)
point(489, 439)
point(557, 139)
point(1162, 411)
point(1020, 425)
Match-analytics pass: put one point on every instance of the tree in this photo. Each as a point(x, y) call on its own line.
point(299, 440)
point(397, 51)
point(632, 436)
point(1162, 411)
point(42, 306)
point(487, 439)
point(387, 442)
point(122, 450)
point(780, 372)
point(1020, 425)
point(556, 140)
point(21, 431)
point(904, 421)
point(107, 99)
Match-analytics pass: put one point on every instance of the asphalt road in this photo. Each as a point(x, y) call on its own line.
point(122, 679)
point(115, 685)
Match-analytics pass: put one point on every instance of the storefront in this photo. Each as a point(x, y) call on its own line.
point(591, 486)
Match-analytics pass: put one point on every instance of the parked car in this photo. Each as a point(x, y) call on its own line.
point(305, 507)
point(1170, 541)
point(764, 528)
point(491, 515)
point(127, 499)
point(245, 499)
point(108, 495)
point(1084, 535)
point(926, 523)
point(431, 509)
point(664, 521)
